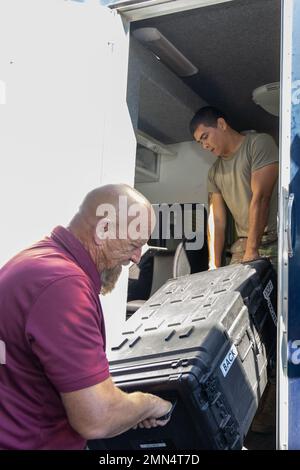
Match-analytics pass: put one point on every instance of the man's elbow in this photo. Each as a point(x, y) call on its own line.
point(99, 426)
point(89, 432)
point(96, 434)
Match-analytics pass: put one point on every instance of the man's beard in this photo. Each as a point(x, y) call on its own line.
point(109, 279)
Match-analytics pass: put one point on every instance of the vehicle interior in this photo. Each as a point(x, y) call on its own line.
point(232, 61)
point(233, 49)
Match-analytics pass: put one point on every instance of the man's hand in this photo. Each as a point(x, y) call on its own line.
point(154, 421)
point(250, 255)
point(211, 267)
point(151, 423)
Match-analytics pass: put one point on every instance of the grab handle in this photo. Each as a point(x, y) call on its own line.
point(289, 225)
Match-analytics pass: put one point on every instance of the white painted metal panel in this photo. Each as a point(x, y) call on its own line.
point(284, 180)
point(61, 86)
point(52, 63)
point(119, 149)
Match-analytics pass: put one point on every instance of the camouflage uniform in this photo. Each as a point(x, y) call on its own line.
point(265, 418)
point(268, 248)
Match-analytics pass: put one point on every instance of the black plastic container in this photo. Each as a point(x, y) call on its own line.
point(204, 340)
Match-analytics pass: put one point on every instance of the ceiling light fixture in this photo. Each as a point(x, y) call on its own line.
point(135, 10)
point(267, 96)
point(166, 51)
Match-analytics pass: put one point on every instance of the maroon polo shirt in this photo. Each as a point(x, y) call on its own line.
point(52, 325)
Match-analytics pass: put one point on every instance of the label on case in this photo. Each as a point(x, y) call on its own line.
point(228, 360)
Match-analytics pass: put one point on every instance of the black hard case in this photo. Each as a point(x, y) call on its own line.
point(204, 340)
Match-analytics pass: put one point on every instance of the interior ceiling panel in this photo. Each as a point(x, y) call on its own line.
point(164, 109)
point(155, 95)
point(236, 47)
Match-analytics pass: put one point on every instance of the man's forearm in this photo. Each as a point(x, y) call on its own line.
point(216, 245)
point(103, 410)
point(258, 218)
point(138, 406)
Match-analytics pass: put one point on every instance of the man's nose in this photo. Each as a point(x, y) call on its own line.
point(136, 255)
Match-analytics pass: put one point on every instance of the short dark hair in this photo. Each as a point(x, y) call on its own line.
point(208, 115)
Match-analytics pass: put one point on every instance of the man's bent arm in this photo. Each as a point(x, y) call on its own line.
point(104, 411)
point(216, 229)
point(262, 185)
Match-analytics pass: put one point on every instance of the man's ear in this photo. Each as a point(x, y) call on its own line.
point(222, 124)
point(103, 230)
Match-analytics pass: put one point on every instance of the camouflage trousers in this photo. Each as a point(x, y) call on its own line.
point(268, 248)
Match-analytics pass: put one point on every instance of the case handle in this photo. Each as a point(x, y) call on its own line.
point(289, 225)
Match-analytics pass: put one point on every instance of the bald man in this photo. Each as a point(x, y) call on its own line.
point(55, 388)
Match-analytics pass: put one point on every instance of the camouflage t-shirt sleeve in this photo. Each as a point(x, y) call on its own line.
point(264, 152)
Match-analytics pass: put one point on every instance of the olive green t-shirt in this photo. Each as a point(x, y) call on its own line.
point(231, 176)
